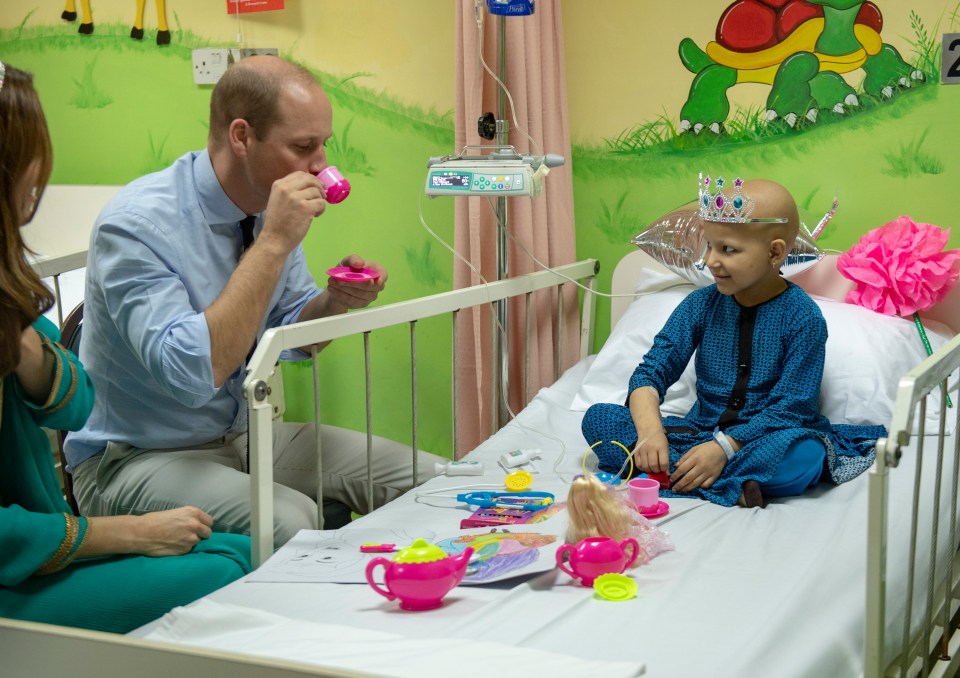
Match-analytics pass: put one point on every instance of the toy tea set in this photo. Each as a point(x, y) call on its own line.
point(337, 189)
point(422, 574)
point(419, 575)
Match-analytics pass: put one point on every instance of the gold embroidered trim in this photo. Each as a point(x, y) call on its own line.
point(59, 358)
point(68, 547)
point(57, 370)
point(70, 391)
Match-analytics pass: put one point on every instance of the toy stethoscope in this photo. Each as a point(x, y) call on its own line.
point(523, 501)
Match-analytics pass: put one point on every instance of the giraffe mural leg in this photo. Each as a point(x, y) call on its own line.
point(70, 14)
point(163, 32)
point(137, 31)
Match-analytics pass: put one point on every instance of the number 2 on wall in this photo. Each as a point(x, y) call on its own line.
point(951, 58)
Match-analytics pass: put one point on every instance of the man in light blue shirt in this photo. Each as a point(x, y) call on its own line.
point(173, 305)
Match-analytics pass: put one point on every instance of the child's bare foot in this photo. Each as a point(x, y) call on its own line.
point(750, 496)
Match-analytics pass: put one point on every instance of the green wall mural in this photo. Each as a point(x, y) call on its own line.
point(828, 108)
point(86, 26)
point(800, 48)
point(119, 108)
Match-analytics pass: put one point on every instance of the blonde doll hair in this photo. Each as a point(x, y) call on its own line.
point(596, 511)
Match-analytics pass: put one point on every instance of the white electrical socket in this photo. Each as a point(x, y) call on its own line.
point(210, 63)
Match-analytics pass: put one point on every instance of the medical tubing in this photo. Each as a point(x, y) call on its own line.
point(418, 497)
point(513, 416)
point(478, 15)
point(629, 458)
point(632, 295)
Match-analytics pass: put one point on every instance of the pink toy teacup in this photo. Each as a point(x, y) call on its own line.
point(594, 556)
point(337, 187)
point(419, 575)
point(644, 493)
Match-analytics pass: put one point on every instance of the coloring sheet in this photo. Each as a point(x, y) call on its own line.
point(334, 556)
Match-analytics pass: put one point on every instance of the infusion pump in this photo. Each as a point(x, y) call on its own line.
point(480, 177)
point(502, 173)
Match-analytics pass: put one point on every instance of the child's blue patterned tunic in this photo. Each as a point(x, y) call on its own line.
point(758, 378)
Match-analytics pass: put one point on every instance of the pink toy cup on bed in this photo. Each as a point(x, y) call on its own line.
point(594, 556)
point(337, 187)
point(644, 493)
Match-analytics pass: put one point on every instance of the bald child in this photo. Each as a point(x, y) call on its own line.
point(758, 342)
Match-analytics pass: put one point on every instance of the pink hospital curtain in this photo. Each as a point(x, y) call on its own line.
point(535, 76)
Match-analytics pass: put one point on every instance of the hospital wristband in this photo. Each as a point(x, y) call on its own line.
point(724, 444)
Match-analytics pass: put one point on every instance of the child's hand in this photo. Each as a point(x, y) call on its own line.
point(652, 453)
point(699, 467)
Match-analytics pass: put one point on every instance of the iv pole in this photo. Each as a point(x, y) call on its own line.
point(503, 338)
point(500, 387)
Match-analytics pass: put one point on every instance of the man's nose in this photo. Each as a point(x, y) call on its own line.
point(318, 162)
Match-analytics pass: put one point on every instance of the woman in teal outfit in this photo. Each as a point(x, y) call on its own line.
point(113, 573)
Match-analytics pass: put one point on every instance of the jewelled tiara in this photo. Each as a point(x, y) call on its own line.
point(735, 208)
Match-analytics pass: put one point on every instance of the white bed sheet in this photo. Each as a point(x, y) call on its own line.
point(777, 591)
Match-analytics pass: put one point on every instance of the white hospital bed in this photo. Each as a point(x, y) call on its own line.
point(781, 591)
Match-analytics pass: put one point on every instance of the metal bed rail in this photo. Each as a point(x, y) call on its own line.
point(275, 341)
point(933, 649)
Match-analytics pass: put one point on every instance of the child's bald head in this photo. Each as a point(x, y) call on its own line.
point(773, 201)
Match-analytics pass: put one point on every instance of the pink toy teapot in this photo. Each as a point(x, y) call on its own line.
point(594, 556)
point(419, 575)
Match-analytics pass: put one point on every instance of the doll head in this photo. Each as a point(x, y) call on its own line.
point(596, 511)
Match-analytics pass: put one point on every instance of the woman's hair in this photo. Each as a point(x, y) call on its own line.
point(26, 155)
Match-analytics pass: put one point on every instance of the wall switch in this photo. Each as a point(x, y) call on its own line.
point(210, 63)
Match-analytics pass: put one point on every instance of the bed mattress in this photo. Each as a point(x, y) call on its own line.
point(745, 592)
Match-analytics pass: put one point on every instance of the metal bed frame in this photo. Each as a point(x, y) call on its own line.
point(933, 649)
point(274, 341)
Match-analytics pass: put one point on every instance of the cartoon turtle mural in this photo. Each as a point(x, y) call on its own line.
point(799, 48)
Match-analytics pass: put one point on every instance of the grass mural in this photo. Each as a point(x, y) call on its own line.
point(903, 158)
point(884, 159)
point(119, 108)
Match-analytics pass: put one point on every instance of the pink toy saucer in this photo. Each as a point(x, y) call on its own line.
point(350, 275)
point(660, 509)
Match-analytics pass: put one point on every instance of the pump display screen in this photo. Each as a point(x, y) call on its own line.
point(513, 181)
point(450, 179)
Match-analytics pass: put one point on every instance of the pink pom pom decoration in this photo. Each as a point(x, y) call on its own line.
point(900, 268)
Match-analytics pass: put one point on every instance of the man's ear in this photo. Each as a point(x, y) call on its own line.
point(778, 252)
point(239, 135)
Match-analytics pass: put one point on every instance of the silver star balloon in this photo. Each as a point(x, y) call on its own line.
point(676, 241)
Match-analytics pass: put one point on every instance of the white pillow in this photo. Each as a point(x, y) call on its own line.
point(631, 338)
point(867, 353)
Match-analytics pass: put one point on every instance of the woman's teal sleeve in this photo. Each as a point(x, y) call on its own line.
point(36, 543)
point(37, 535)
point(71, 394)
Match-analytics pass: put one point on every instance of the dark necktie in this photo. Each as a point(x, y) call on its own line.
point(246, 230)
point(246, 236)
